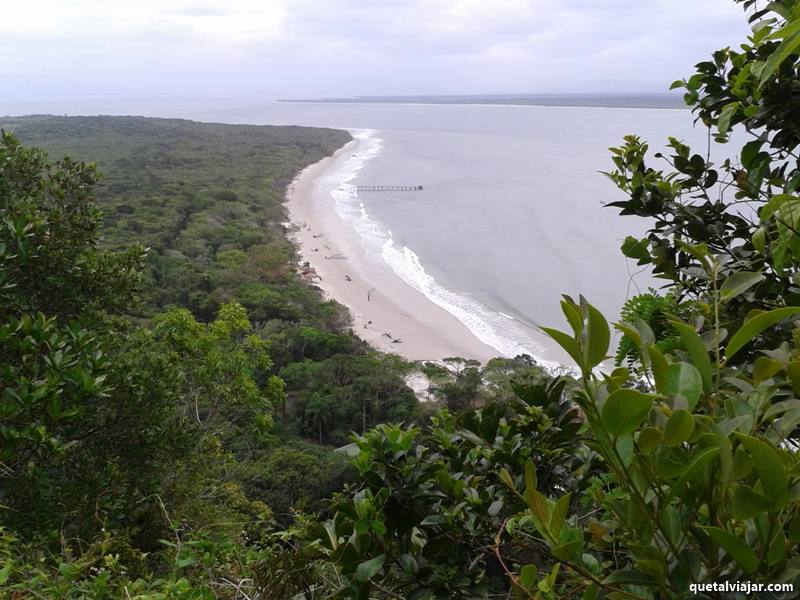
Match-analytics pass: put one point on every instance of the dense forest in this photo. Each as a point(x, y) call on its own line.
point(166, 371)
point(171, 391)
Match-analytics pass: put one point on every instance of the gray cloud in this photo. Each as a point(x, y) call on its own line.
point(309, 47)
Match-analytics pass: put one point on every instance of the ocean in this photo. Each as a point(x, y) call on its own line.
point(511, 214)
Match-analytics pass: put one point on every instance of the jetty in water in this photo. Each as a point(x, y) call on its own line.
point(385, 188)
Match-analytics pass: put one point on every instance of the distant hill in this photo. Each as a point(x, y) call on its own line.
point(609, 100)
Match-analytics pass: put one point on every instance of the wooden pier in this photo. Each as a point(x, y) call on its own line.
point(387, 188)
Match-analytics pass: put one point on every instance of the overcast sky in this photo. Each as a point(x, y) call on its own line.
point(348, 47)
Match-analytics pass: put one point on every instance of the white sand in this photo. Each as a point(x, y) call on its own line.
point(387, 312)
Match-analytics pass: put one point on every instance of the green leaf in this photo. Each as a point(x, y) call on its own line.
point(598, 338)
point(638, 249)
point(724, 122)
point(506, 478)
point(697, 351)
point(559, 516)
point(756, 325)
point(574, 316)
point(566, 342)
point(649, 439)
point(660, 368)
point(630, 331)
point(744, 556)
point(530, 475)
point(679, 428)
point(760, 240)
point(787, 47)
point(571, 545)
point(379, 527)
point(408, 563)
point(770, 468)
point(684, 379)
point(625, 409)
point(738, 283)
point(369, 568)
point(764, 368)
point(538, 505)
point(747, 503)
point(527, 576)
point(793, 373)
point(706, 456)
point(433, 520)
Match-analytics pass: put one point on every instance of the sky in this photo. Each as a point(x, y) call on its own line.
point(314, 48)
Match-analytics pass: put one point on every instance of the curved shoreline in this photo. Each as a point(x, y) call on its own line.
point(387, 313)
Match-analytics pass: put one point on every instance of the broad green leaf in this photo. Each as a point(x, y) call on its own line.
point(566, 342)
point(638, 249)
point(760, 240)
point(793, 372)
point(738, 283)
point(770, 468)
point(506, 478)
point(756, 325)
point(781, 407)
point(724, 122)
point(527, 576)
point(699, 461)
point(660, 368)
point(433, 520)
point(626, 409)
point(747, 503)
point(530, 475)
point(570, 547)
point(598, 338)
point(559, 516)
point(697, 351)
point(649, 439)
point(684, 379)
point(645, 331)
point(408, 563)
point(787, 47)
point(369, 568)
point(573, 313)
point(764, 368)
point(539, 506)
point(631, 332)
point(744, 556)
point(679, 428)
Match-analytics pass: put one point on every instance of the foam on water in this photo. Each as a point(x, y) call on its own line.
point(509, 336)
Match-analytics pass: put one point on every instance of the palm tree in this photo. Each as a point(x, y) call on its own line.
point(317, 414)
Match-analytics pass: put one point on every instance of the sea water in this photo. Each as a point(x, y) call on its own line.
point(511, 215)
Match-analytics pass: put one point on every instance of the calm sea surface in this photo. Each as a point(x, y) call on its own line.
point(511, 215)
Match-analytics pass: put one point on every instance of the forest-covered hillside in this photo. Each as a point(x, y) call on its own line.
point(168, 375)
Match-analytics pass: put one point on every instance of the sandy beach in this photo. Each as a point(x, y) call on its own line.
point(387, 312)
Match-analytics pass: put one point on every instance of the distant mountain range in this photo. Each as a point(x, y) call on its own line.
point(609, 100)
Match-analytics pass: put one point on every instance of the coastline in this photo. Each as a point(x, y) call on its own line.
point(386, 312)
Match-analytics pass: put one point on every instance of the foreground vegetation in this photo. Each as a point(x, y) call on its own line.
point(161, 449)
point(677, 470)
